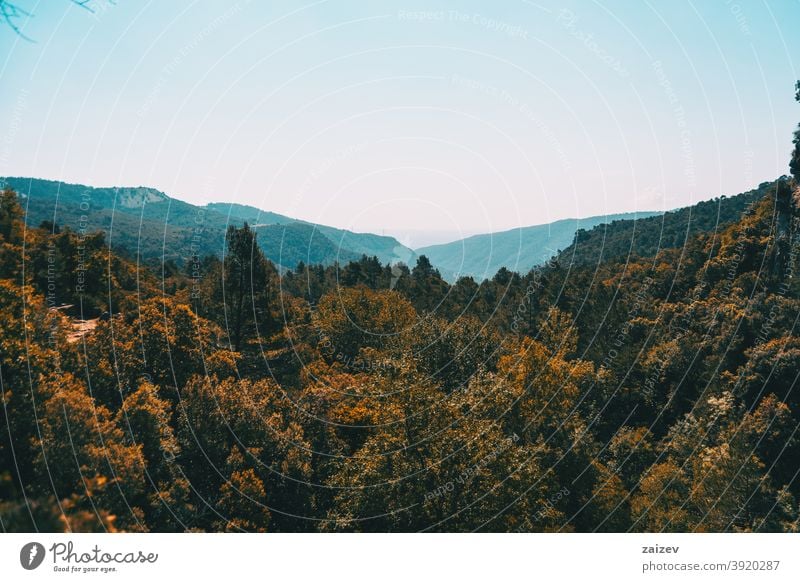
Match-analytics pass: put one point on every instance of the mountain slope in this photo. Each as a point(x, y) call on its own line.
point(386, 248)
point(250, 214)
point(296, 242)
point(519, 249)
point(644, 237)
point(148, 222)
point(138, 220)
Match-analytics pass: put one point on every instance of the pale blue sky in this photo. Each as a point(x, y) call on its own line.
point(406, 116)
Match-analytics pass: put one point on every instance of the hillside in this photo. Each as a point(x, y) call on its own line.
point(348, 244)
point(150, 223)
point(296, 242)
point(621, 239)
point(519, 249)
point(248, 213)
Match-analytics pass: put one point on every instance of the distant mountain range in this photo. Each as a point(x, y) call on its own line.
point(149, 223)
point(519, 249)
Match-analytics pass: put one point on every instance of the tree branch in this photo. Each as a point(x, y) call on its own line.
point(11, 13)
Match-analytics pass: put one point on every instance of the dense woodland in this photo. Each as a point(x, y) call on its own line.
point(646, 379)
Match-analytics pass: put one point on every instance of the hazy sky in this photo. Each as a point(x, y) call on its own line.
point(406, 116)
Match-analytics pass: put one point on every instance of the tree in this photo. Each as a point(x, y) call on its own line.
point(11, 216)
point(163, 342)
point(451, 352)
point(11, 229)
point(245, 285)
point(356, 318)
point(82, 458)
point(144, 419)
point(33, 347)
point(243, 448)
point(712, 477)
point(794, 164)
point(426, 466)
point(425, 288)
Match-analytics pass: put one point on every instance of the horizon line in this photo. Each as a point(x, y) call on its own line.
point(306, 221)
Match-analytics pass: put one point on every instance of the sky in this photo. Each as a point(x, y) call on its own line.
point(423, 120)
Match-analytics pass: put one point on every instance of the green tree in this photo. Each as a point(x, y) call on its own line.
point(245, 287)
point(794, 164)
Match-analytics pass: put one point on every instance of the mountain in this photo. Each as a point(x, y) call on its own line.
point(347, 244)
point(250, 214)
point(621, 240)
point(148, 222)
point(520, 249)
point(296, 242)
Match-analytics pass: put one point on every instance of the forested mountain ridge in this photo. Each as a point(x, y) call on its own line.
point(645, 236)
point(520, 249)
point(586, 241)
point(149, 223)
point(386, 248)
